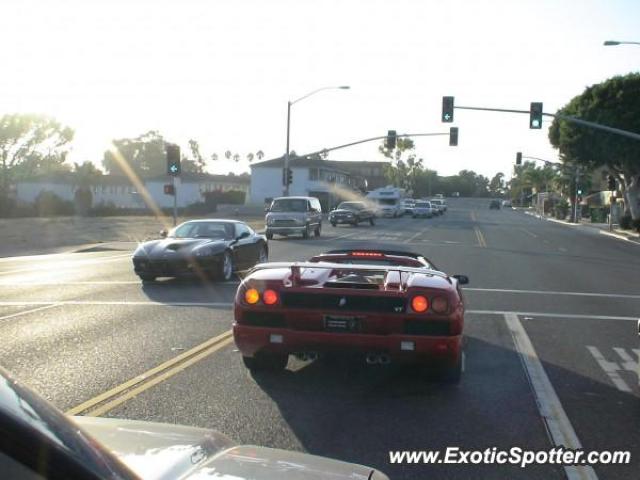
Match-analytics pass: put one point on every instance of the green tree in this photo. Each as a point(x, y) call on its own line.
point(616, 103)
point(399, 171)
point(31, 144)
point(496, 185)
point(196, 157)
point(144, 154)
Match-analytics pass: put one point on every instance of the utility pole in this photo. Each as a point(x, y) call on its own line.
point(575, 198)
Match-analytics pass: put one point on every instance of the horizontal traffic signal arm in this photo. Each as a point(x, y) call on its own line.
point(568, 118)
point(373, 139)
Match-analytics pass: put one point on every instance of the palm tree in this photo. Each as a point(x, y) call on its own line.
point(236, 158)
point(250, 157)
point(227, 154)
point(214, 157)
point(260, 154)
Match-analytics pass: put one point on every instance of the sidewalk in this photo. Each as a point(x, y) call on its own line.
point(602, 228)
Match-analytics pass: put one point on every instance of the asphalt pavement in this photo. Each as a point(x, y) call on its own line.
point(551, 356)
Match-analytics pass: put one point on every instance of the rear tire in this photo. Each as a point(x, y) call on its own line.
point(318, 230)
point(305, 233)
point(333, 224)
point(263, 362)
point(269, 236)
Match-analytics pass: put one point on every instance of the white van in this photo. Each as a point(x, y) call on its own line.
point(388, 200)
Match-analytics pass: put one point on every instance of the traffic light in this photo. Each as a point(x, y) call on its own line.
point(169, 189)
point(535, 115)
point(287, 176)
point(519, 158)
point(611, 183)
point(447, 109)
point(453, 137)
point(390, 143)
point(173, 159)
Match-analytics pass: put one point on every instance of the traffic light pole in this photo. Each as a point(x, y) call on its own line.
point(175, 201)
point(285, 191)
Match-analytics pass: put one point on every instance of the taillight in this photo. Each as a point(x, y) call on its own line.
point(252, 296)
point(270, 297)
point(419, 304)
point(439, 305)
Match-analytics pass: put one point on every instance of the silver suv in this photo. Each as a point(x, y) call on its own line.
point(294, 216)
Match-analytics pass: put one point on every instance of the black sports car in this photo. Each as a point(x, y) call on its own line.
point(215, 248)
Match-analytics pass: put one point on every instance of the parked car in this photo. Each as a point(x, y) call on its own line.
point(407, 205)
point(494, 205)
point(352, 213)
point(294, 216)
point(423, 209)
point(211, 248)
point(439, 204)
point(38, 441)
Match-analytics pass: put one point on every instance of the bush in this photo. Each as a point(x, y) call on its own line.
point(7, 206)
point(636, 224)
point(561, 209)
point(625, 222)
point(48, 204)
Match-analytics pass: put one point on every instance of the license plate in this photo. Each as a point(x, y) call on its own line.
point(340, 323)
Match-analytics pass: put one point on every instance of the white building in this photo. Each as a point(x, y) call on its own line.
point(329, 181)
point(122, 193)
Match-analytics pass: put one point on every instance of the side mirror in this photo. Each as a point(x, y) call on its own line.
point(163, 233)
point(243, 235)
point(267, 209)
point(462, 279)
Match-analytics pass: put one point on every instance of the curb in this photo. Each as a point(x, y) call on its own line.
point(619, 236)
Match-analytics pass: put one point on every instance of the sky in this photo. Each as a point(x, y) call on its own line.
point(221, 72)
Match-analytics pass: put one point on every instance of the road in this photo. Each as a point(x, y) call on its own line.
point(551, 348)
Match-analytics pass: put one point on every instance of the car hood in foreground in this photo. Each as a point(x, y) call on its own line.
point(165, 451)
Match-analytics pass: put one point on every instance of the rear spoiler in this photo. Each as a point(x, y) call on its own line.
point(296, 266)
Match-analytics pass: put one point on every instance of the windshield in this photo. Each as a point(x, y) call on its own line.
point(351, 206)
point(166, 167)
point(214, 230)
point(289, 205)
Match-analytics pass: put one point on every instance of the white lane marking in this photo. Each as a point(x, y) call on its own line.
point(124, 303)
point(550, 292)
point(64, 265)
point(25, 312)
point(551, 315)
point(558, 424)
point(106, 282)
point(529, 233)
point(610, 368)
point(628, 362)
point(417, 234)
point(341, 236)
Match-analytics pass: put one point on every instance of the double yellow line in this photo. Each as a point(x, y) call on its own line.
point(481, 241)
point(110, 399)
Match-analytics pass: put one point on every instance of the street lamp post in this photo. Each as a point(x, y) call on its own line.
point(289, 103)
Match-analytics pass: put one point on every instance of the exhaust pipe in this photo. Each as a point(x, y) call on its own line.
point(307, 356)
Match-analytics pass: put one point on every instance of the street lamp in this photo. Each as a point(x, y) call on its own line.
point(611, 43)
point(289, 103)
